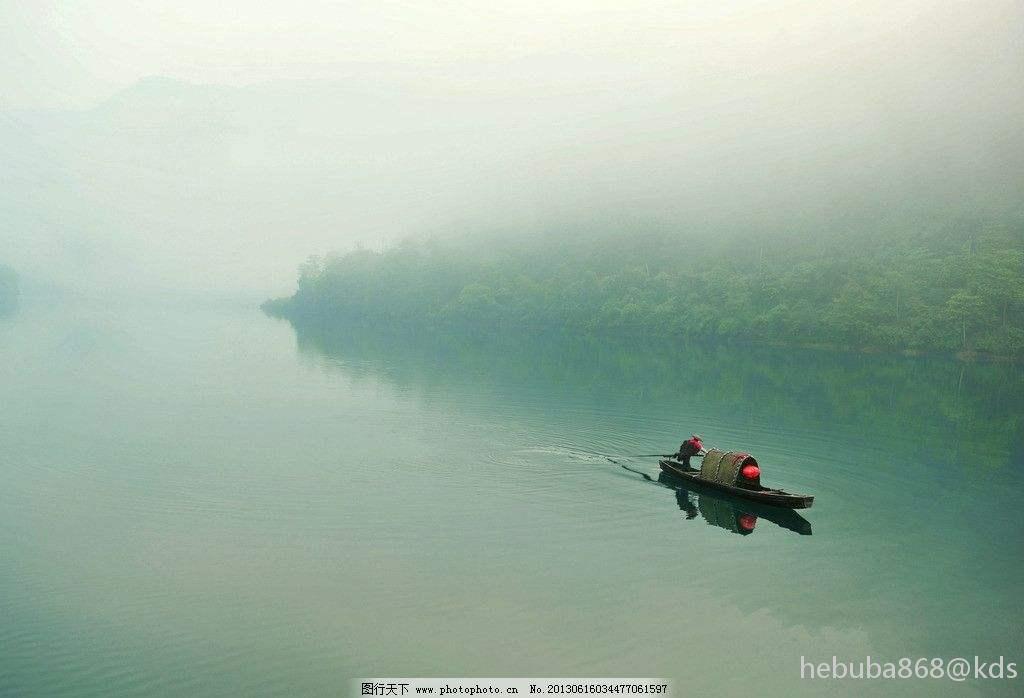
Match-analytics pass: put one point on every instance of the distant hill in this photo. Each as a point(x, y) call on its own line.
point(174, 185)
point(954, 288)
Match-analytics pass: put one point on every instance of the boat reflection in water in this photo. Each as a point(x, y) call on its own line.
point(740, 516)
point(731, 513)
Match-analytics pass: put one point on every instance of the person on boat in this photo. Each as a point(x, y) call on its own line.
point(691, 447)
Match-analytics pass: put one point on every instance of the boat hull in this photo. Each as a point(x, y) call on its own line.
point(777, 498)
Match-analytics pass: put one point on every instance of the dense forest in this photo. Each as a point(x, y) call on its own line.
point(954, 288)
point(8, 290)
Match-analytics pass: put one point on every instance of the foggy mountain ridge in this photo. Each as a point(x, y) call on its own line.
point(169, 184)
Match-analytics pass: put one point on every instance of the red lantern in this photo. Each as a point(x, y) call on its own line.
point(751, 472)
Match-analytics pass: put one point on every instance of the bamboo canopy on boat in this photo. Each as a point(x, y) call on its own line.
point(724, 467)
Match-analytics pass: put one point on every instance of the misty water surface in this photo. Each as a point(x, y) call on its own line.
point(203, 502)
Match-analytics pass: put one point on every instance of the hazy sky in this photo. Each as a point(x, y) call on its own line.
point(77, 52)
point(325, 123)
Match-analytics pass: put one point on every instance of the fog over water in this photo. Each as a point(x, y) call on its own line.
point(203, 149)
point(794, 227)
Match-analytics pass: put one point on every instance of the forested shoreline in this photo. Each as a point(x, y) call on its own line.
point(955, 289)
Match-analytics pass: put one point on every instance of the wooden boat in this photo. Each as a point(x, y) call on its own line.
point(754, 492)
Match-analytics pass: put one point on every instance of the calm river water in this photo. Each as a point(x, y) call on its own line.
point(205, 502)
